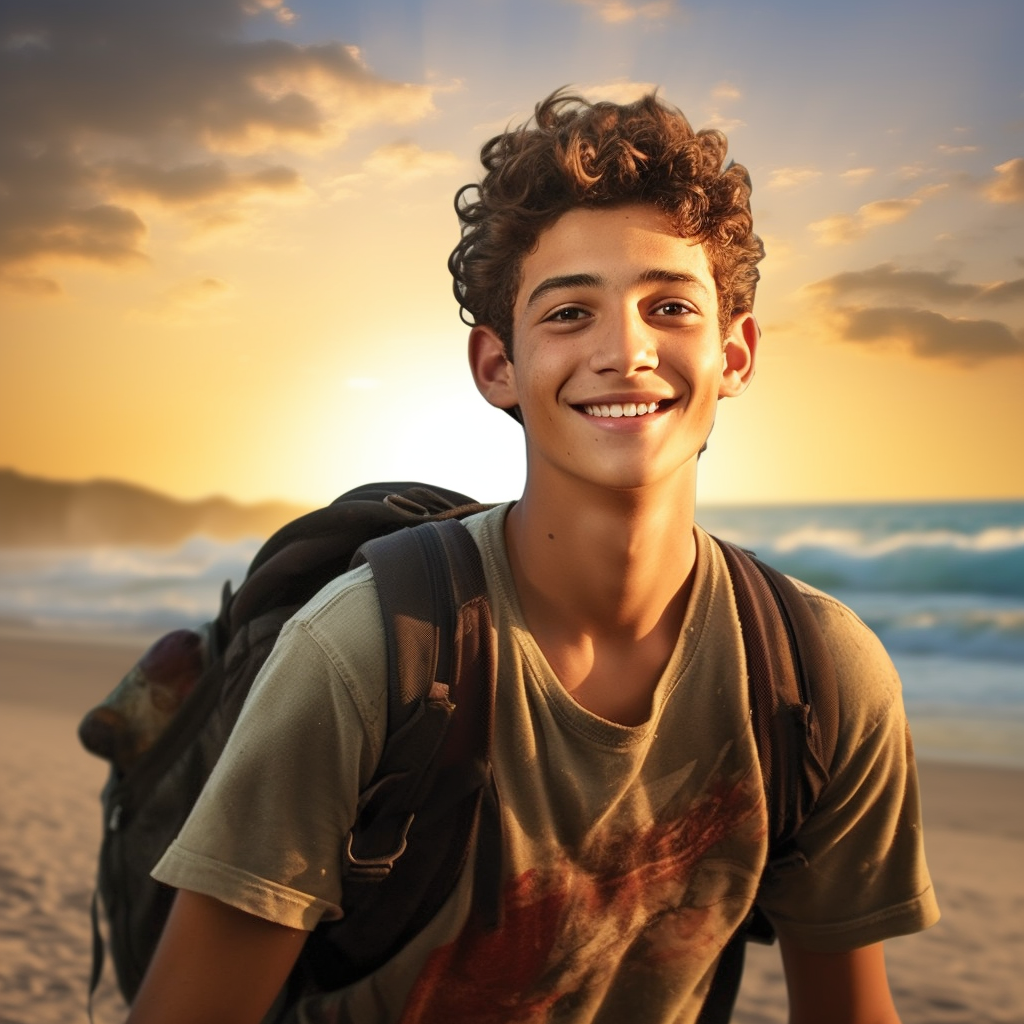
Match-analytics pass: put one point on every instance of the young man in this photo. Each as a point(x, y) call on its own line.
point(608, 265)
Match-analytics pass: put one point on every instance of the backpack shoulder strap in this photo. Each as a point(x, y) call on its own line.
point(433, 788)
point(793, 692)
point(795, 712)
point(433, 596)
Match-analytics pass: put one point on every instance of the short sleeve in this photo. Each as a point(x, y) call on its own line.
point(267, 830)
point(865, 878)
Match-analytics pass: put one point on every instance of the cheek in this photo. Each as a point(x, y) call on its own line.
point(540, 377)
point(706, 379)
point(713, 365)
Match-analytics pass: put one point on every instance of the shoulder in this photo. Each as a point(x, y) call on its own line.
point(331, 654)
point(488, 527)
point(343, 617)
point(342, 625)
point(488, 531)
point(866, 823)
point(849, 638)
point(869, 685)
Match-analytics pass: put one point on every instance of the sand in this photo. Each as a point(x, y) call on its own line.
point(968, 969)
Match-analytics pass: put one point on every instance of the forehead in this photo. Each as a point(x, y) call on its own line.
point(619, 246)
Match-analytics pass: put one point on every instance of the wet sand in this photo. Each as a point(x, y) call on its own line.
point(965, 970)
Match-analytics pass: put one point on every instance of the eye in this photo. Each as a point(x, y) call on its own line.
point(566, 315)
point(673, 308)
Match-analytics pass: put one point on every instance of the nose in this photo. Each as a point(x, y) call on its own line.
point(627, 345)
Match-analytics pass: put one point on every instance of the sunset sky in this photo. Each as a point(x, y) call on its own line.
point(224, 227)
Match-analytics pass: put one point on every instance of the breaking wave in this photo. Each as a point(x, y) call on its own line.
point(942, 579)
point(931, 579)
point(120, 589)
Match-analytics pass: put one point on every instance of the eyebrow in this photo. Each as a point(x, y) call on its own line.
point(564, 281)
point(652, 276)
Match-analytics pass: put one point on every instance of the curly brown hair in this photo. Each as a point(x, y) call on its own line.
point(575, 153)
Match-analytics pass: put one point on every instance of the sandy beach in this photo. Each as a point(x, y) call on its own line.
point(966, 970)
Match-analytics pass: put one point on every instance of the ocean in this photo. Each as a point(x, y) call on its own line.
point(942, 584)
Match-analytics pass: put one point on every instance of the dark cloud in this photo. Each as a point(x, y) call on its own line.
point(195, 183)
point(1002, 291)
point(101, 100)
point(889, 313)
point(887, 281)
point(932, 335)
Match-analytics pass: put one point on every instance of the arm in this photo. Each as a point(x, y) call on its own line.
point(215, 965)
point(837, 988)
point(866, 879)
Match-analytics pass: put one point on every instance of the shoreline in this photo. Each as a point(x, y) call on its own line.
point(965, 970)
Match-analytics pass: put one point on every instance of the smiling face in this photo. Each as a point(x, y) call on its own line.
point(619, 358)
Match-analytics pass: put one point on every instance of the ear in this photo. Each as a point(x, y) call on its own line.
point(739, 354)
point(493, 372)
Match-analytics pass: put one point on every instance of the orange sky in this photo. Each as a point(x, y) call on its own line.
point(222, 263)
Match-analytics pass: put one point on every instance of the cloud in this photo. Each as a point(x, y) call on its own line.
point(199, 293)
point(1008, 184)
point(617, 12)
point(792, 177)
point(32, 285)
point(100, 233)
point(911, 171)
point(281, 12)
point(197, 183)
point(930, 191)
point(931, 335)
point(726, 91)
point(857, 174)
point(172, 100)
point(184, 304)
point(345, 186)
point(889, 313)
point(723, 123)
point(407, 161)
point(886, 281)
point(843, 228)
point(623, 91)
point(956, 150)
point(887, 211)
point(620, 90)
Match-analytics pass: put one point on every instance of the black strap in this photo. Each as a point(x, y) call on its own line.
point(433, 576)
point(437, 622)
point(96, 971)
point(793, 692)
point(433, 788)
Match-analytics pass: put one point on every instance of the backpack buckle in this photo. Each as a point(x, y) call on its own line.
point(379, 867)
point(408, 504)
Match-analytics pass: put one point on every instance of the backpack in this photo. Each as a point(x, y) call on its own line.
point(432, 791)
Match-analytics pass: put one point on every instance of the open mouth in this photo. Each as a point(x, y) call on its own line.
point(618, 410)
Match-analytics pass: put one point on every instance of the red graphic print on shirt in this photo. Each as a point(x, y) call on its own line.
point(624, 903)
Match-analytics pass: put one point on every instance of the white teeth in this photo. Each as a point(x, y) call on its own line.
point(625, 409)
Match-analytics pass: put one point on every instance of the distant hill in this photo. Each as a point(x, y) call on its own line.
point(37, 512)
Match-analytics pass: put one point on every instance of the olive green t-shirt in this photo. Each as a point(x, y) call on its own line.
point(631, 852)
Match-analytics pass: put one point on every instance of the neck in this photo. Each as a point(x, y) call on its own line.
point(603, 580)
point(613, 561)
